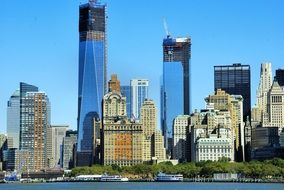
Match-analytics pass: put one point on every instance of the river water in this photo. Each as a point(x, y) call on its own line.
point(142, 186)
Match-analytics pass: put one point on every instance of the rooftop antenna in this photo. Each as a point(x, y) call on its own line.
point(166, 28)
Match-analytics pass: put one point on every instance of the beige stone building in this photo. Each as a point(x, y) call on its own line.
point(180, 134)
point(122, 139)
point(276, 106)
point(233, 104)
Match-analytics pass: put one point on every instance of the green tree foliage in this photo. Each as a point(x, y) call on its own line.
point(253, 169)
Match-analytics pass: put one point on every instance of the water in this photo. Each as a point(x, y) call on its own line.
point(143, 186)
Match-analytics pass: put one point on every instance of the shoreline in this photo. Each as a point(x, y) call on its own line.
point(150, 181)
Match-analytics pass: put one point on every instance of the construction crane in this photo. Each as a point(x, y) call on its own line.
point(166, 28)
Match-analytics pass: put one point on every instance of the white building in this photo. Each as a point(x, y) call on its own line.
point(215, 147)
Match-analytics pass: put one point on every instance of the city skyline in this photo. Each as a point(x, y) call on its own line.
point(58, 57)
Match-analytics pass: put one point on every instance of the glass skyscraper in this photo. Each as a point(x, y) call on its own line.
point(92, 75)
point(279, 76)
point(175, 87)
point(139, 92)
point(13, 120)
point(126, 91)
point(235, 80)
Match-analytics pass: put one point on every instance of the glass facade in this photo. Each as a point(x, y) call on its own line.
point(92, 76)
point(13, 120)
point(139, 92)
point(172, 95)
point(279, 76)
point(175, 88)
point(235, 80)
point(125, 91)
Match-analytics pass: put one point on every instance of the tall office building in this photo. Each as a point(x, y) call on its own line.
point(139, 92)
point(34, 121)
point(13, 120)
point(175, 87)
point(148, 117)
point(235, 80)
point(279, 76)
point(92, 75)
point(153, 142)
point(126, 92)
point(55, 135)
point(28, 116)
point(263, 88)
point(276, 105)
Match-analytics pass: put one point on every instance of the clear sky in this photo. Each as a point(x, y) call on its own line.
point(39, 44)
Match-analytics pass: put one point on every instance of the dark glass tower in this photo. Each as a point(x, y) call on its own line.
point(235, 80)
point(175, 89)
point(280, 76)
point(92, 76)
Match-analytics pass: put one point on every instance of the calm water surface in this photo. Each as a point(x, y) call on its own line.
point(143, 186)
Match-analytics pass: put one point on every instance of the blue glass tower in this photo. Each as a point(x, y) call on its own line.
point(126, 91)
point(175, 88)
point(92, 76)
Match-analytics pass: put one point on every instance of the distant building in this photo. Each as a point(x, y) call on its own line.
point(139, 92)
point(235, 80)
point(175, 84)
point(276, 105)
point(148, 117)
point(126, 92)
point(211, 136)
point(92, 82)
point(159, 149)
point(55, 135)
point(153, 146)
point(234, 104)
point(34, 121)
point(279, 76)
point(181, 142)
point(13, 120)
point(114, 84)
point(263, 88)
point(122, 139)
point(265, 143)
point(68, 146)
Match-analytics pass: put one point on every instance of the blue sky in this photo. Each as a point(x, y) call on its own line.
point(39, 44)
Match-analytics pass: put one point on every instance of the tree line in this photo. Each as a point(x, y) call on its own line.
point(254, 169)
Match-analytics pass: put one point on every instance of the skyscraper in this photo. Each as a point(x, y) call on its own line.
point(126, 92)
point(279, 76)
point(34, 121)
point(139, 92)
point(13, 120)
point(235, 80)
point(275, 105)
point(92, 75)
point(263, 88)
point(175, 90)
